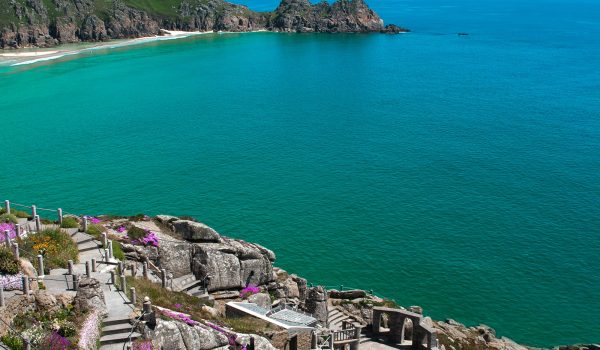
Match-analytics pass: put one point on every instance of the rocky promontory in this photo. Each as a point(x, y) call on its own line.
point(46, 23)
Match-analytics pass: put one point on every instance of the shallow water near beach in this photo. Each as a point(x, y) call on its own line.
point(459, 173)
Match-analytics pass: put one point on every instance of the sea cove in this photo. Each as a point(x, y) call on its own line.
point(455, 173)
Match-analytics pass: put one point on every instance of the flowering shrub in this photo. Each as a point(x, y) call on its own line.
point(55, 341)
point(121, 229)
point(142, 345)
point(90, 332)
point(10, 227)
point(179, 316)
point(250, 290)
point(93, 220)
point(149, 239)
point(12, 282)
point(56, 245)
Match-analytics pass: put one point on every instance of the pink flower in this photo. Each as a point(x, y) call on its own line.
point(250, 290)
point(121, 229)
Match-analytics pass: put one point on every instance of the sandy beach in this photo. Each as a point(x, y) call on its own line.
point(33, 55)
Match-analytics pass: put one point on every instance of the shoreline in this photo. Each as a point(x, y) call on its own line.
point(28, 56)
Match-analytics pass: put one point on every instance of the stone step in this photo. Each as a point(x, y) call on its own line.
point(87, 246)
point(111, 321)
point(85, 240)
point(117, 329)
point(118, 338)
point(189, 286)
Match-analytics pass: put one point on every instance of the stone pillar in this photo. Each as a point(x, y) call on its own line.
point(112, 277)
point(376, 321)
point(313, 340)
point(132, 295)
point(104, 240)
point(85, 224)
point(134, 269)
point(396, 326)
point(93, 265)
point(145, 269)
point(25, 281)
point(106, 256)
point(110, 249)
point(16, 252)
point(316, 304)
point(88, 269)
point(18, 230)
point(40, 259)
point(123, 284)
point(7, 239)
point(60, 216)
point(1, 295)
point(120, 268)
point(356, 344)
point(70, 267)
point(75, 282)
point(33, 211)
point(163, 278)
point(38, 223)
point(7, 206)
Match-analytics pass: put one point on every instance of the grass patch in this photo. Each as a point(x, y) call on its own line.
point(117, 251)
point(70, 222)
point(167, 299)
point(55, 245)
point(247, 324)
point(95, 230)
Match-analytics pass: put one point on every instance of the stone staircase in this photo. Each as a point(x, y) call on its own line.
point(115, 333)
point(190, 285)
point(85, 242)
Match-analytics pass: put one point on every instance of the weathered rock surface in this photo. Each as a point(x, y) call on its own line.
point(89, 295)
point(260, 343)
point(195, 231)
point(261, 299)
point(316, 303)
point(175, 335)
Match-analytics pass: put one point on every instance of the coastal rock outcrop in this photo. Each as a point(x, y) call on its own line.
point(176, 335)
point(43, 23)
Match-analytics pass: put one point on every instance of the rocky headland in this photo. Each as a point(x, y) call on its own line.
point(194, 274)
point(47, 23)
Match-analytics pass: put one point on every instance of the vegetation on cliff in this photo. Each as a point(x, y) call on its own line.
point(45, 23)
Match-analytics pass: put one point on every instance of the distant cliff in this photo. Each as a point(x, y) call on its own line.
point(46, 23)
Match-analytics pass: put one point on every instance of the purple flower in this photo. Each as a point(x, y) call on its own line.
point(250, 290)
point(142, 345)
point(149, 239)
point(90, 333)
point(7, 226)
point(12, 282)
point(94, 220)
point(180, 317)
point(56, 342)
point(121, 229)
point(178, 306)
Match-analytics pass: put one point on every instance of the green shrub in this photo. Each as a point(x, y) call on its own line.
point(13, 341)
point(8, 265)
point(134, 232)
point(117, 251)
point(70, 222)
point(55, 244)
point(20, 214)
point(95, 231)
point(9, 217)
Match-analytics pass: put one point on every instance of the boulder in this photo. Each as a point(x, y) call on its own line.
point(260, 343)
point(90, 296)
point(416, 309)
point(195, 231)
point(347, 294)
point(165, 219)
point(175, 257)
point(261, 299)
point(45, 301)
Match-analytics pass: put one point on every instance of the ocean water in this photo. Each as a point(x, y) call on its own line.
point(459, 173)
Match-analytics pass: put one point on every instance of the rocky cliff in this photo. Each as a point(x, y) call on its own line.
point(45, 23)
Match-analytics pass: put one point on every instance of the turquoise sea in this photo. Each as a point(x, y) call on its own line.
point(460, 173)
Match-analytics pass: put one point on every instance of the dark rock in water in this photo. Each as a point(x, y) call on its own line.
point(462, 34)
point(394, 29)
